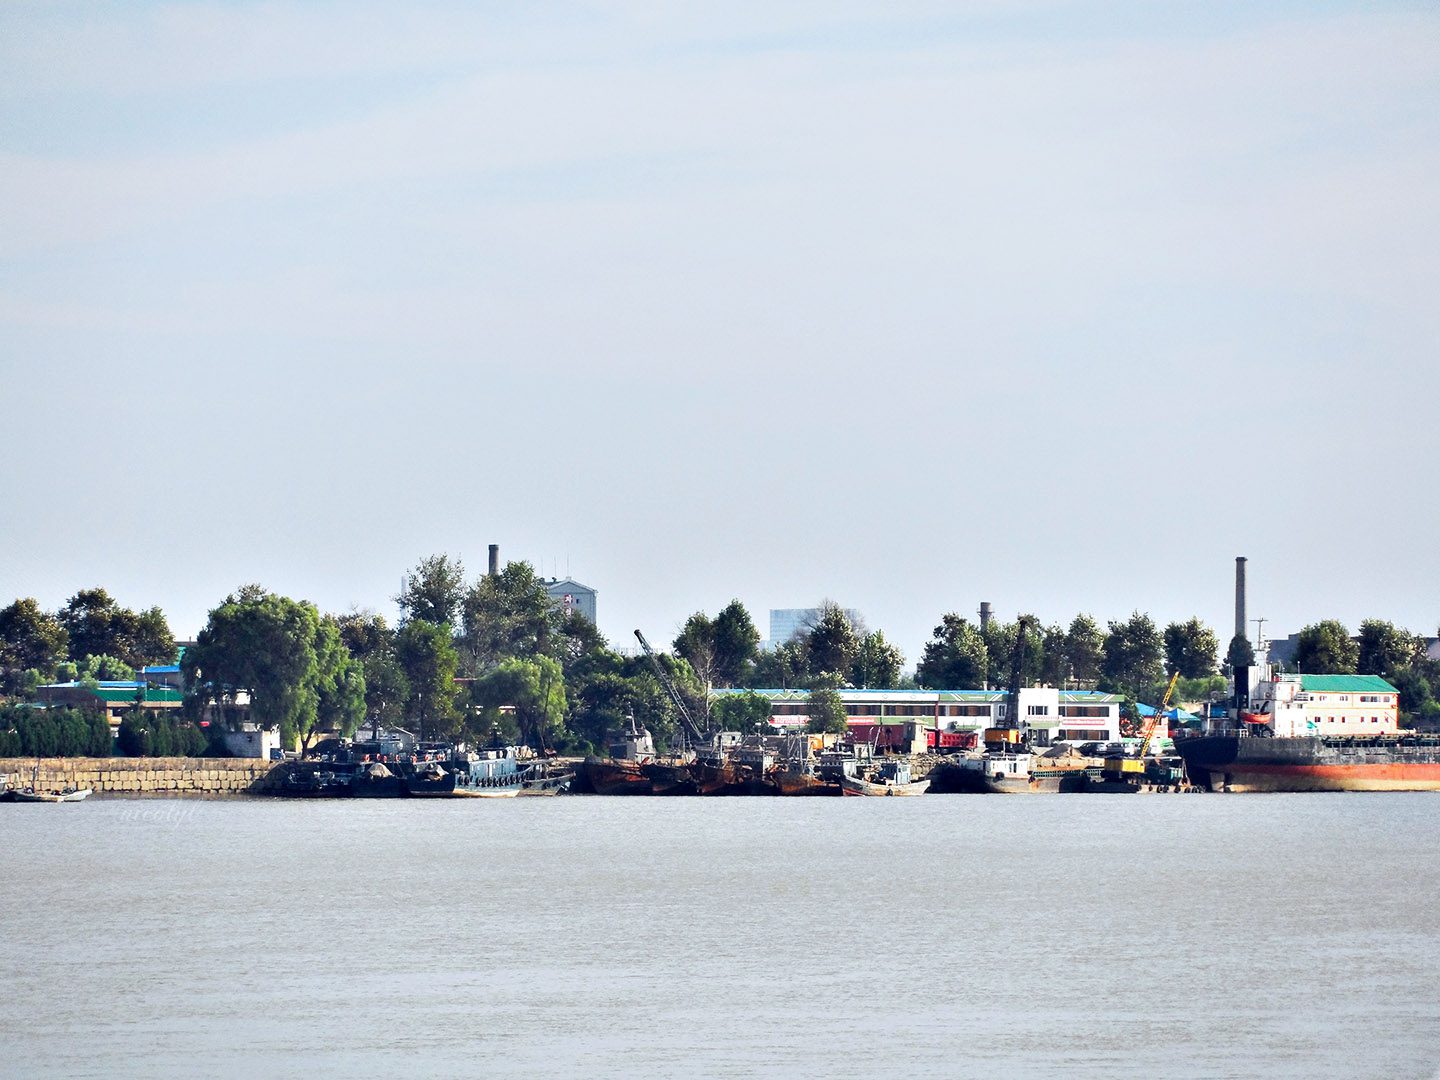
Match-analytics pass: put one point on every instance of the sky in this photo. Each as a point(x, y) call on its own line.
point(1059, 305)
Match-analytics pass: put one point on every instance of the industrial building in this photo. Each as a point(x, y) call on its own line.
point(1052, 715)
point(569, 595)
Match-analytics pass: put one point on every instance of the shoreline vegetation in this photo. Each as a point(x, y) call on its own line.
point(496, 656)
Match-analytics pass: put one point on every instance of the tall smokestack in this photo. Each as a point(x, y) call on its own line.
point(494, 560)
point(985, 614)
point(1240, 621)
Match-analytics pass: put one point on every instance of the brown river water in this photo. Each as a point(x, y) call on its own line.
point(948, 936)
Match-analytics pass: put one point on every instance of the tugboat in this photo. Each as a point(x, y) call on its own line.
point(890, 777)
point(623, 772)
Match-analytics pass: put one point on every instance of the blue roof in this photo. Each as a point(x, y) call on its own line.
point(161, 669)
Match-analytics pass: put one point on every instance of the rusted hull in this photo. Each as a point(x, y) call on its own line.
point(1231, 763)
point(614, 777)
point(671, 780)
point(789, 783)
point(712, 779)
point(1328, 778)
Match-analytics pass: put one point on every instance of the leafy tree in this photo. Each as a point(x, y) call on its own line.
point(1133, 663)
point(153, 642)
point(508, 615)
point(426, 655)
point(369, 639)
point(832, 642)
point(826, 713)
point(272, 649)
point(97, 667)
point(877, 663)
point(1000, 646)
point(30, 638)
point(746, 713)
point(535, 688)
point(57, 732)
point(1084, 650)
point(339, 686)
point(696, 644)
point(1384, 649)
point(1240, 654)
point(784, 666)
point(955, 658)
point(1190, 648)
point(736, 643)
point(433, 591)
point(578, 640)
point(1326, 648)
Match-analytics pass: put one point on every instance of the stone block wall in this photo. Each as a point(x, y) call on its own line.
point(206, 777)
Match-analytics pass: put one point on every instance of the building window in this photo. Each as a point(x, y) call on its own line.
point(1037, 710)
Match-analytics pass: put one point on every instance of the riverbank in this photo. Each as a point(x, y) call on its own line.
point(138, 777)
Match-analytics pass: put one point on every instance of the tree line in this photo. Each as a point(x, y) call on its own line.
point(495, 656)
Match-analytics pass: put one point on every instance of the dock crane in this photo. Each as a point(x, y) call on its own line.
point(692, 729)
point(1121, 764)
point(1008, 732)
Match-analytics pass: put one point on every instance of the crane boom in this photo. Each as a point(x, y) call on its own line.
point(1148, 732)
point(691, 728)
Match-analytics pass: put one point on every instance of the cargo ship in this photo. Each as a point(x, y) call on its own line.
point(1319, 763)
point(1313, 733)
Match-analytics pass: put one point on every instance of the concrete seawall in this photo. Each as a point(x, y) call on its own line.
point(190, 777)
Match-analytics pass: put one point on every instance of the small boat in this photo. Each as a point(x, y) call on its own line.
point(885, 778)
point(547, 783)
point(623, 772)
point(29, 794)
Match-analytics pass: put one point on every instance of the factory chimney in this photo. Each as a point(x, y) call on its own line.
point(1240, 622)
point(985, 615)
point(494, 560)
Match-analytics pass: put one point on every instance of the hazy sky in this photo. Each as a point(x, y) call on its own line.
point(1060, 305)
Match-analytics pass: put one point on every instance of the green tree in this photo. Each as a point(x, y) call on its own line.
point(736, 643)
point(427, 656)
point(1326, 648)
point(877, 663)
point(535, 688)
point(153, 643)
point(1191, 648)
point(1084, 650)
point(508, 615)
point(746, 713)
point(1240, 654)
point(97, 667)
point(826, 713)
point(1000, 646)
point(1134, 657)
point(782, 667)
point(955, 658)
point(832, 642)
point(339, 687)
point(433, 591)
point(271, 649)
point(30, 639)
point(696, 644)
point(371, 641)
point(1384, 649)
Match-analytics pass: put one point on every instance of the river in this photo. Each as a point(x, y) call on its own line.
point(947, 936)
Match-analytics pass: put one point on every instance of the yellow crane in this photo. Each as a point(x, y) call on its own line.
point(1137, 763)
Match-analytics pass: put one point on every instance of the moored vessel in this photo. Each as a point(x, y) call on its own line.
point(1233, 762)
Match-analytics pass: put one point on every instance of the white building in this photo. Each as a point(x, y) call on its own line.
point(569, 595)
point(1052, 715)
point(1324, 704)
